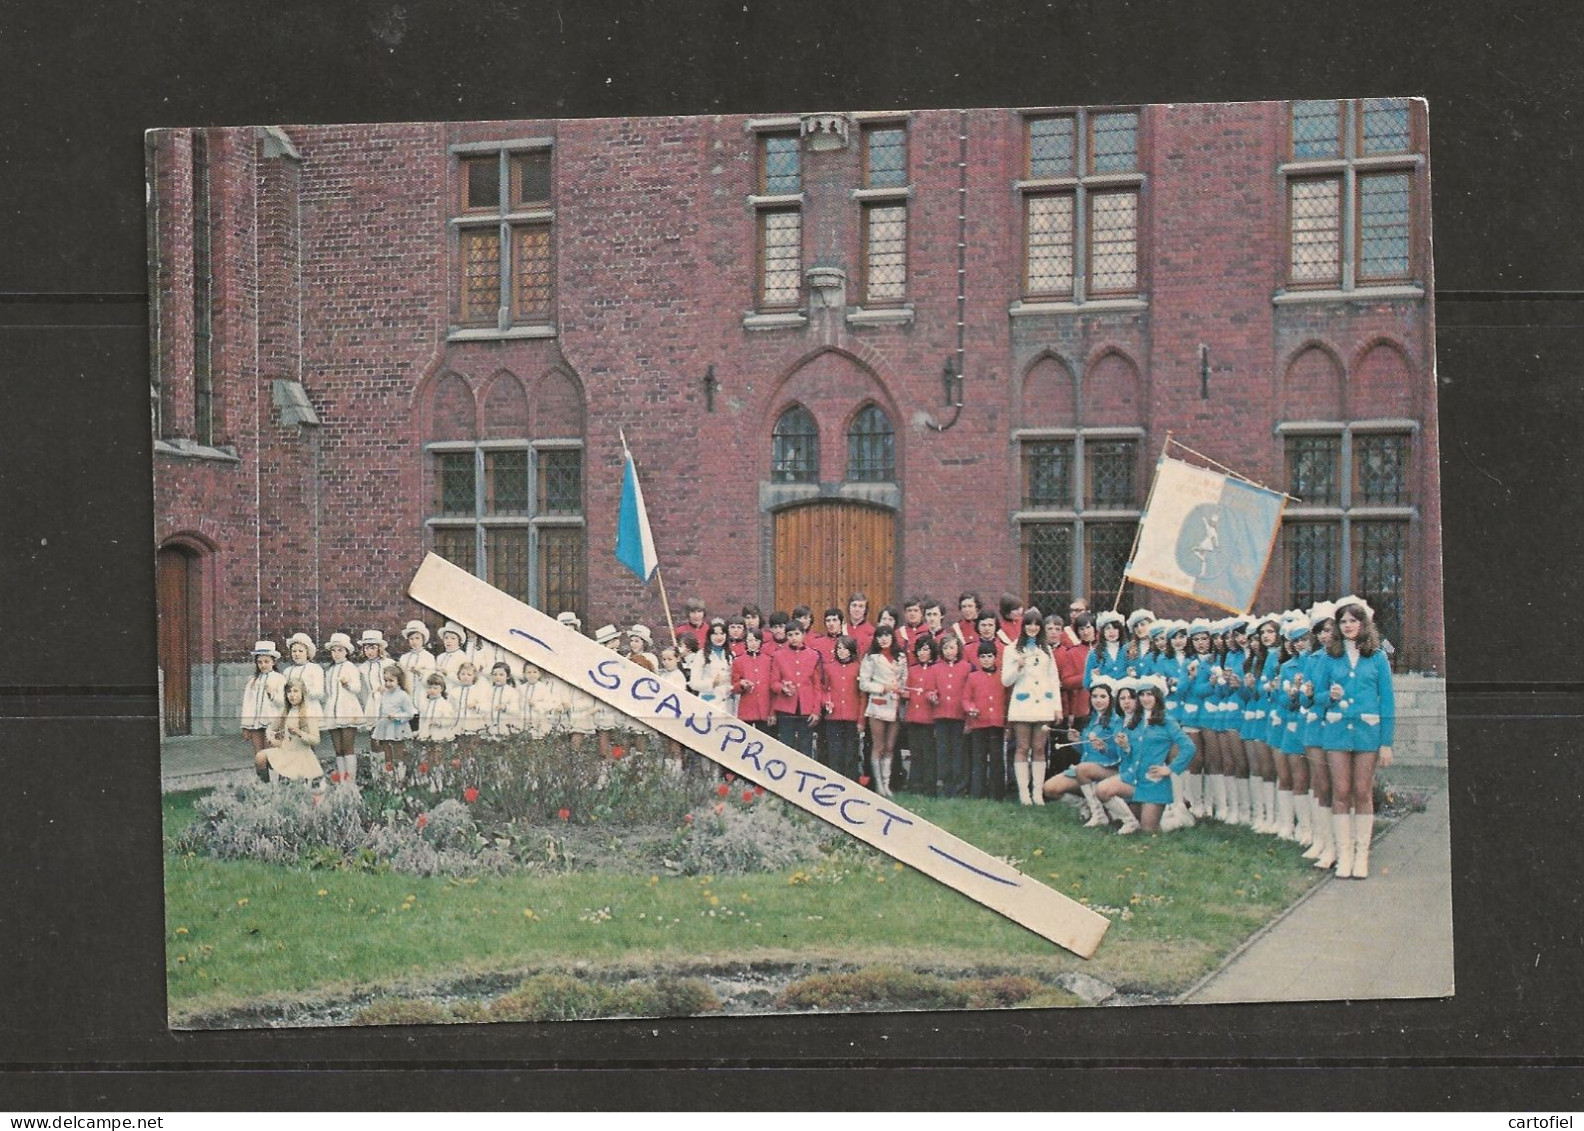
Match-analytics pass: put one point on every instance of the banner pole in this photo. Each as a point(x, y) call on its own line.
point(1138, 531)
point(666, 605)
point(1229, 471)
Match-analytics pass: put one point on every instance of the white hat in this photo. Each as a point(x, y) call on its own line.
point(454, 629)
point(641, 631)
point(340, 640)
point(605, 634)
point(1353, 599)
point(1293, 629)
point(305, 640)
point(1104, 681)
point(417, 626)
point(1137, 615)
point(372, 636)
point(569, 619)
point(1321, 611)
point(1110, 616)
point(1200, 625)
point(265, 648)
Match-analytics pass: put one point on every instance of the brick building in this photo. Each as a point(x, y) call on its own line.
point(913, 352)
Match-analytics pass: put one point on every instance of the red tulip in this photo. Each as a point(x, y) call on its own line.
point(423, 819)
point(456, 763)
point(687, 818)
point(722, 790)
point(389, 766)
point(748, 795)
point(730, 776)
point(616, 752)
point(423, 767)
point(564, 813)
point(863, 779)
point(470, 795)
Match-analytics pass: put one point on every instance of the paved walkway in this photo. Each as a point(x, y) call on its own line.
point(1387, 936)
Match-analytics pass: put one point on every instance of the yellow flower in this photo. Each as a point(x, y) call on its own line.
point(654, 879)
point(897, 867)
point(323, 892)
point(181, 930)
point(1039, 852)
point(528, 913)
point(242, 902)
point(879, 879)
point(714, 901)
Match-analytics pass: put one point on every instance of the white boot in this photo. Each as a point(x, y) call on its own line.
point(1325, 837)
point(1098, 819)
point(1342, 830)
point(1020, 770)
point(1268, 792)
point(1185, 817)
point(1119, 810)
point(1257, 820)
point(1284, 815)
point(1306, 834)
point(883, 777)
point(1193, 794)
point(1037, 784)
point(1242, 801)
point(1363, 830)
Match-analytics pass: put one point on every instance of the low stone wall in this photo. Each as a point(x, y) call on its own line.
point(1421, 738)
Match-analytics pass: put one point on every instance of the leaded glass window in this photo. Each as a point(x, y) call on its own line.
point(455, 480)
point(1313, 465)
point(885, 157)
point(780, 257)
point(1114, 144)
point(1380, 462)
point(505, 262)
point(1113, 242)
point(1383, 233)
point(1047, 475)
point(1110, 467)
point(780, 165)
point(1051, 149)
point(1316, 129)
point(885, 253)
point(560, 474)
point(1385, 126)
point(1314, 562)
point(795, 443)
point(506, 482)
point(1048, 564)
point(1108, 546)
point(1314, 220)
point(1048, 222)
point(1379, 557)
point(871, 447)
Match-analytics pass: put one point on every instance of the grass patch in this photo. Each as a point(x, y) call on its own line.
point(240, 930)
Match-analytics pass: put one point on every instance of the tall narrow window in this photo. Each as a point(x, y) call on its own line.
point(203, 294)
point(1080, 511)
point(871, 447)
point(1347, 531)
point(795, 444)
point(883, 220)
point(1351, 180)
point(511, 512)
point(1081, 190)
point(778, 218)
point(505, 262)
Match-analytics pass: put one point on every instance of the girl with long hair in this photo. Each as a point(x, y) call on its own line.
point(1033, 705)
point(883, 677)
point(294, 734)
point(1360, 719)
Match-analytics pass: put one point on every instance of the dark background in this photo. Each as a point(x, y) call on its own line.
point(81, 927)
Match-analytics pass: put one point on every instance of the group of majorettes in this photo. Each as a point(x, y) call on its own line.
point(1276, 722)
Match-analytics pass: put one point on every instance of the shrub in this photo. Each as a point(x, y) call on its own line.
point(564, 997)
point(401, 1011)
point(762, 836)
point(874, 987)
point(276, 822)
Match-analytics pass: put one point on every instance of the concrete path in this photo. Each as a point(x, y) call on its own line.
point(1387, 936)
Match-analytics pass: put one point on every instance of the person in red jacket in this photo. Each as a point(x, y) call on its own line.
point(1072, 658)
point(843, 708)
point(944, 689)
point(797, 690)
point(858, 626)
point(825, 642)
point(751, 676)
point(697, 624)
point(775, 633)
point(923, 770)
point(966, 627)
point(984, 706)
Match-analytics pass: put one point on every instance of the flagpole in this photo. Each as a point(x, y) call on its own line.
point(665, 602)
point(1228, 470)
point(1138, 531)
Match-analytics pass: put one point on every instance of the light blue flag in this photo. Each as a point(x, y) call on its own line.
point(1206, 535)
point(634, 543)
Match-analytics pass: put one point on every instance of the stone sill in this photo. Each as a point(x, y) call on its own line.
point(884, 316)
point(786, 320)
point(1021, 309)
point(191, 449)
point(1357, 294)
point(515, 333)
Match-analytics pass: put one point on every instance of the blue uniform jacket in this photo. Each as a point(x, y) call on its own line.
point(1365, 718)
point(1100, 664)
point(1151, 746)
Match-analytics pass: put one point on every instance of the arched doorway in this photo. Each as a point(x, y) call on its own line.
point(177, 576)
point(825, 550)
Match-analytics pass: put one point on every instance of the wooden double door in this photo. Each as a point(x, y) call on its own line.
point(177, 577)
point(825, 551)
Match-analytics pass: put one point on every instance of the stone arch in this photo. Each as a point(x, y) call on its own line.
point(834, 385)
point(1312, 384)
point(1049, 394)
point(1382, 383)
point(1111, 392)
point(452, 412)
point(505, 408)
point(558, 411)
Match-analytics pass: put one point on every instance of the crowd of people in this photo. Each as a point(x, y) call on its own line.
point(1275, 721)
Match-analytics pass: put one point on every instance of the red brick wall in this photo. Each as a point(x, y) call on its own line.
point(654, 272)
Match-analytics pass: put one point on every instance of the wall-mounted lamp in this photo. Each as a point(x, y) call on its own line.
point(710, 385)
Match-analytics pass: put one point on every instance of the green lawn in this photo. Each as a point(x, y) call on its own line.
point(240, 931)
